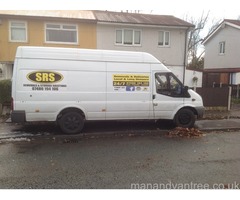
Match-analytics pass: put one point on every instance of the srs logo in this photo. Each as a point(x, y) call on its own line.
point(45, 77)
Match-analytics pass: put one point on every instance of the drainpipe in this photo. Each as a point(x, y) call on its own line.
point(185, 54)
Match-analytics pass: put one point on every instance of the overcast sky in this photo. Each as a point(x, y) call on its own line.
point(219, 10)
point(178, 8)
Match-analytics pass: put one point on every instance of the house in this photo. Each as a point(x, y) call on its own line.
point(222, 60)
point(163, 36)
point(75, 29)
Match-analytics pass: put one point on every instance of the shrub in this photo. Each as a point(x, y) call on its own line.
point(5, 91)
point(235, 100)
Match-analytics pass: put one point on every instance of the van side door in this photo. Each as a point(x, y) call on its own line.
point(128, 91)
point(167, 95)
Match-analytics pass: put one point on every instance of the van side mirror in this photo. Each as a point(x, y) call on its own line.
point(185, 88)
point(185, 91)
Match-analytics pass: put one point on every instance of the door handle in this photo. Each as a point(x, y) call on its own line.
point(155, 104)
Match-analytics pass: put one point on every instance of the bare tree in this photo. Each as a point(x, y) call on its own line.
point(215, 23)
point(196, 36)
point(195, 39)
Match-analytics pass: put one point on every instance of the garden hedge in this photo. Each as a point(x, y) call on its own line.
point(5, 91)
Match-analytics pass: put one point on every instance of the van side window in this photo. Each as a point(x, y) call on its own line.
point(168, 84)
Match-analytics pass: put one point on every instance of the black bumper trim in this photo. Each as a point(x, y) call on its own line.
point(18, 116)
point(200, 112)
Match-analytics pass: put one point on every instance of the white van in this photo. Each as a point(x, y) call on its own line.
point(70, 86)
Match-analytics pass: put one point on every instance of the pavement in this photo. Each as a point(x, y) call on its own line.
point(220, 120)
point(218, 125)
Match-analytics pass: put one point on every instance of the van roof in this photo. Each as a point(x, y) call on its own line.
point(84, 54)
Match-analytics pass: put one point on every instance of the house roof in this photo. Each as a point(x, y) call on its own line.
point(136, 18)
point(229, 22)
point(235, 22)
point(72, 14)
point(103, 17)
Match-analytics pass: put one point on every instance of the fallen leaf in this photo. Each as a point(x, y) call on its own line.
point(185, 132)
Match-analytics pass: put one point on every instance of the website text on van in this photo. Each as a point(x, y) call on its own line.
point(70, 86)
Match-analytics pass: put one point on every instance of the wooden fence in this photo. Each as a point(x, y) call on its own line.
point(235, 89)
point(216, 98)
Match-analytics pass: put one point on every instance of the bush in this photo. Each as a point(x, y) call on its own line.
point(5, 91)
point(235, 101)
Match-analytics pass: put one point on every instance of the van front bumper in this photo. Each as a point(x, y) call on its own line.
point(200, 111)
point(18, 116)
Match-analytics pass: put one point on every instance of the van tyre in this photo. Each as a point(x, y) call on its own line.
point(71, 122)
point(184, 118)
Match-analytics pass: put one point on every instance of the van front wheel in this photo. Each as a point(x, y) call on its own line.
point(71, 122)
point(185, 118)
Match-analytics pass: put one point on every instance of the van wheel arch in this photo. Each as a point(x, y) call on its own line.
point(185, 117)
point(72, 109)
point(71, 120)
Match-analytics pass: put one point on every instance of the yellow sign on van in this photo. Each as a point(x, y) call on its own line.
point(45, 77)
point(130, 80)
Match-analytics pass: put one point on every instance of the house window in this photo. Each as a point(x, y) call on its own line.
point(222, 48)
point(118, 36)
point(61, 33)
point(164, 38)
point(137, 37)
point(18, 31)
point(128, 37)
